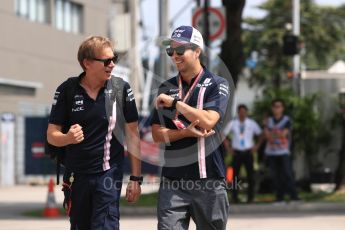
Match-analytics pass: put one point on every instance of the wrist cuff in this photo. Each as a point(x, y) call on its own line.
point(136, 178)
point(173, 105)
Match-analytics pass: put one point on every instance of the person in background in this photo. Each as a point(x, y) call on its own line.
point(278, 135)
point(240, 142)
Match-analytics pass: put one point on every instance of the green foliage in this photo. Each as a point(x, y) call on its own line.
point(308, 130)
point(322, 34)
point(306, 197)
point(322, 39)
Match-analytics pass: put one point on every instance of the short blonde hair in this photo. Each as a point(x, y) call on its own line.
point(90, 46)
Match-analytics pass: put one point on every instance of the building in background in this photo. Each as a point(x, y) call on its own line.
point(329, 85)
point(38, 47)
point(38, 50)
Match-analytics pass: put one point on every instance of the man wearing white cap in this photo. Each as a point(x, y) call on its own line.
point(187, 120)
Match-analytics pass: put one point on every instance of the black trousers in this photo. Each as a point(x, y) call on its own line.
point(246, 158)
point(282, 175)
point(95, 200)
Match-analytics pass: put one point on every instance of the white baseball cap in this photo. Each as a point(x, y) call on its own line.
point(186, 34)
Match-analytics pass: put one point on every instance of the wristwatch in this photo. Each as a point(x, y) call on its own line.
point(173, 104)
point(136, 178)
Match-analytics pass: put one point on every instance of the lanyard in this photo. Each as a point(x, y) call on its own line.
point(242, 138)
point(242, 128)
point(180, 93)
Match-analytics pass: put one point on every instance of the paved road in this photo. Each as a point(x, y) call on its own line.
point(261, 222)
point(15, 200)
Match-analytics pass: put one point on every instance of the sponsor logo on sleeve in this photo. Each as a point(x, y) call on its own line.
point(223, 90)
point(130, 95)
point(173, 93)
point(56, 96)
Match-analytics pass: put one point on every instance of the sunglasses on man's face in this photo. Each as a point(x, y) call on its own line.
point(107, 61)
point(179, 50)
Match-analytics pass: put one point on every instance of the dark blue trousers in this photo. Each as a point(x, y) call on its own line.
point(95, 200)
point(246, 158)
point(282, 175)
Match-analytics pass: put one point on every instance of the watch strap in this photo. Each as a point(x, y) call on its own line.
point(173, 105)
point(136, 178)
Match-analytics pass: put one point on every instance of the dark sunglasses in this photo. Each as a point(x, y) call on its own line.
point(179, 50)
point(107, 61)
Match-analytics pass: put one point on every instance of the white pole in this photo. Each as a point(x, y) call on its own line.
point(297, 32)
point(134, 51)
point(163, 32)
point(147, 90)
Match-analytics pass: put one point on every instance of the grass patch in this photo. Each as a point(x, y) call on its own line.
point(150, 200)
point(336, 197)
point(307, 197)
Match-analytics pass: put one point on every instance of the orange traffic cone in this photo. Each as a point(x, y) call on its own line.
point(51, 210)
point(229, 174)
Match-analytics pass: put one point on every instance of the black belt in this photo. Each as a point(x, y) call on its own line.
point(242, 151)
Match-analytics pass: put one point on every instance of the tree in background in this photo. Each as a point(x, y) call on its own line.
point(322, 39)
point(322, 43)
point(232, 47)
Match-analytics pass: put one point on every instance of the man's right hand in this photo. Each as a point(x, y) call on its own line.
point(193, 131)
point(75, 134)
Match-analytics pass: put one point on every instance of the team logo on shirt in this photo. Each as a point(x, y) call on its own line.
point(108, 92)
point(81, 102)
point(205, 84)
point(78, 103)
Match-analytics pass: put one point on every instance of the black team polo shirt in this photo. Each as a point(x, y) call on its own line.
point(100, 150)
point(181, 157)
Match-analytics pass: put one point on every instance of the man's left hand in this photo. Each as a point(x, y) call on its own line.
point(133, 191)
